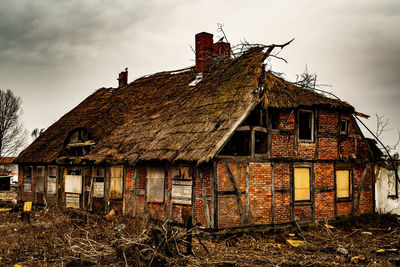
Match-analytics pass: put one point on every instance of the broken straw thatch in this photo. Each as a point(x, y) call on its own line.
point(160, 117)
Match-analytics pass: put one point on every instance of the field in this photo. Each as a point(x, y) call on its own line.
point(56, 237)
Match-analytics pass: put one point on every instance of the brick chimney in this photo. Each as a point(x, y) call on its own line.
point(123, 78)
point(204, 50)
point(222, 49)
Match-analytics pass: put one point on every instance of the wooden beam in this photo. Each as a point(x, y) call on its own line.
point(134, 190)
point(235, 189)
point(215, 195)
point(360, 188)
point(203, 193)
point(248, 215)
point(272, 194)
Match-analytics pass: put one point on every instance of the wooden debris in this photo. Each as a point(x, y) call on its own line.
point(295, 243)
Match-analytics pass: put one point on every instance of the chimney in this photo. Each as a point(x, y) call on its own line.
point(204, 50)
point(222, 49)
point(123, 78)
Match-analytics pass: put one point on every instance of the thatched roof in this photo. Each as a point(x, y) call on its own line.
point(160, 117)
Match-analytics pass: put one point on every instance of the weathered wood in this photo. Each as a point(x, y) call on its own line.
point(248, 218)
point(291, 192)
point(221, 143)
point(272, 194)
point(235, 189)
point(166, 192)
point(203, 193)
point(134, 191)
point(252, 143)
point(312, 193)
point(215, 194)
point(231, 192)
point(324, 189)
point(360, 189)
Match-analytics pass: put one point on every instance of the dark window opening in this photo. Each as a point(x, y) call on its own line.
point(238, 145)
point(274, 118)
point(261, 142)
point(344, 126)
point(256, 118)
point(306, 125)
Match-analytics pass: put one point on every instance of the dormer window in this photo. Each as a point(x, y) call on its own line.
point(79, 142)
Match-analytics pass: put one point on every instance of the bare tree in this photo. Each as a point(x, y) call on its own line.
point(382, 125)
point(12, 133)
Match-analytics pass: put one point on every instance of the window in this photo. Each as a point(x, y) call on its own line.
point(301, 184)
point(155, 184)
point(306, 125)
point(99, 175)
point(274, 118)
point(238, 145)
point(343, 183)
point(182, 185)
point(79, 142)
point(344, 125)
point(261, 143)
point(52, 180)
point(40, 179)
point(27, 178)
point(392, 184)
point(116, 182)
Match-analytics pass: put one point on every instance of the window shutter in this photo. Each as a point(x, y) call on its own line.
point(301, 184)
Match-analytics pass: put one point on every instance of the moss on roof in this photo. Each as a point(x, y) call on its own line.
point(160, 117)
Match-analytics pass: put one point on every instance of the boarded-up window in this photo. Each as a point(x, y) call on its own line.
point(27, 178)
point(72, 201)
point(301, 184)
point(155, 184)
point(52, 180)
point(73, 184)
point(116, 182)
point(181, 185)
point(40, 180)
point(343, 183)
point(98, 182)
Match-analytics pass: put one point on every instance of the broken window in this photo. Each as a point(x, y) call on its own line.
point(342, 183)
point(182, 185)
point(27, 178)
point(40, 179)
point(274, 118)
point(301, 184)
point(261, 142)
point(155, 184)
point(257, 117)
point(99, 175)
point(79, 142)
point(52, 180)
point(306, 125)
point(116, 182)
point(344, 125)
point(238, 145)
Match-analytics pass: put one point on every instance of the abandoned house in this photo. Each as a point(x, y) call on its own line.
point(225, 143)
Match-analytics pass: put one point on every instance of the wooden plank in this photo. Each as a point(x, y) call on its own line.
point(203, 193)
point(360, 189)
point(166, 192)
point(334, 194)
point(272, 194)
point(215, 193)
point(248, 193)
point(134, 191)
point(235, 189)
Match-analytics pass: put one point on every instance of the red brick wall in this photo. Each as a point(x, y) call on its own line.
point(282, 145)
point(302, 213)
point(282, 207)
point(260, 193)
point(306, 151)
point(324, 205)
point(344, 208)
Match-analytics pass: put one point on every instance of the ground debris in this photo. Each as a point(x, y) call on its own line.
point(69, 237)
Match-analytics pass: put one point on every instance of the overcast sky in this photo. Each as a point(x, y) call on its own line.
point(53, 54)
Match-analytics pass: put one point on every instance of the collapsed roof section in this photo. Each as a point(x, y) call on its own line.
point(162, 118)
